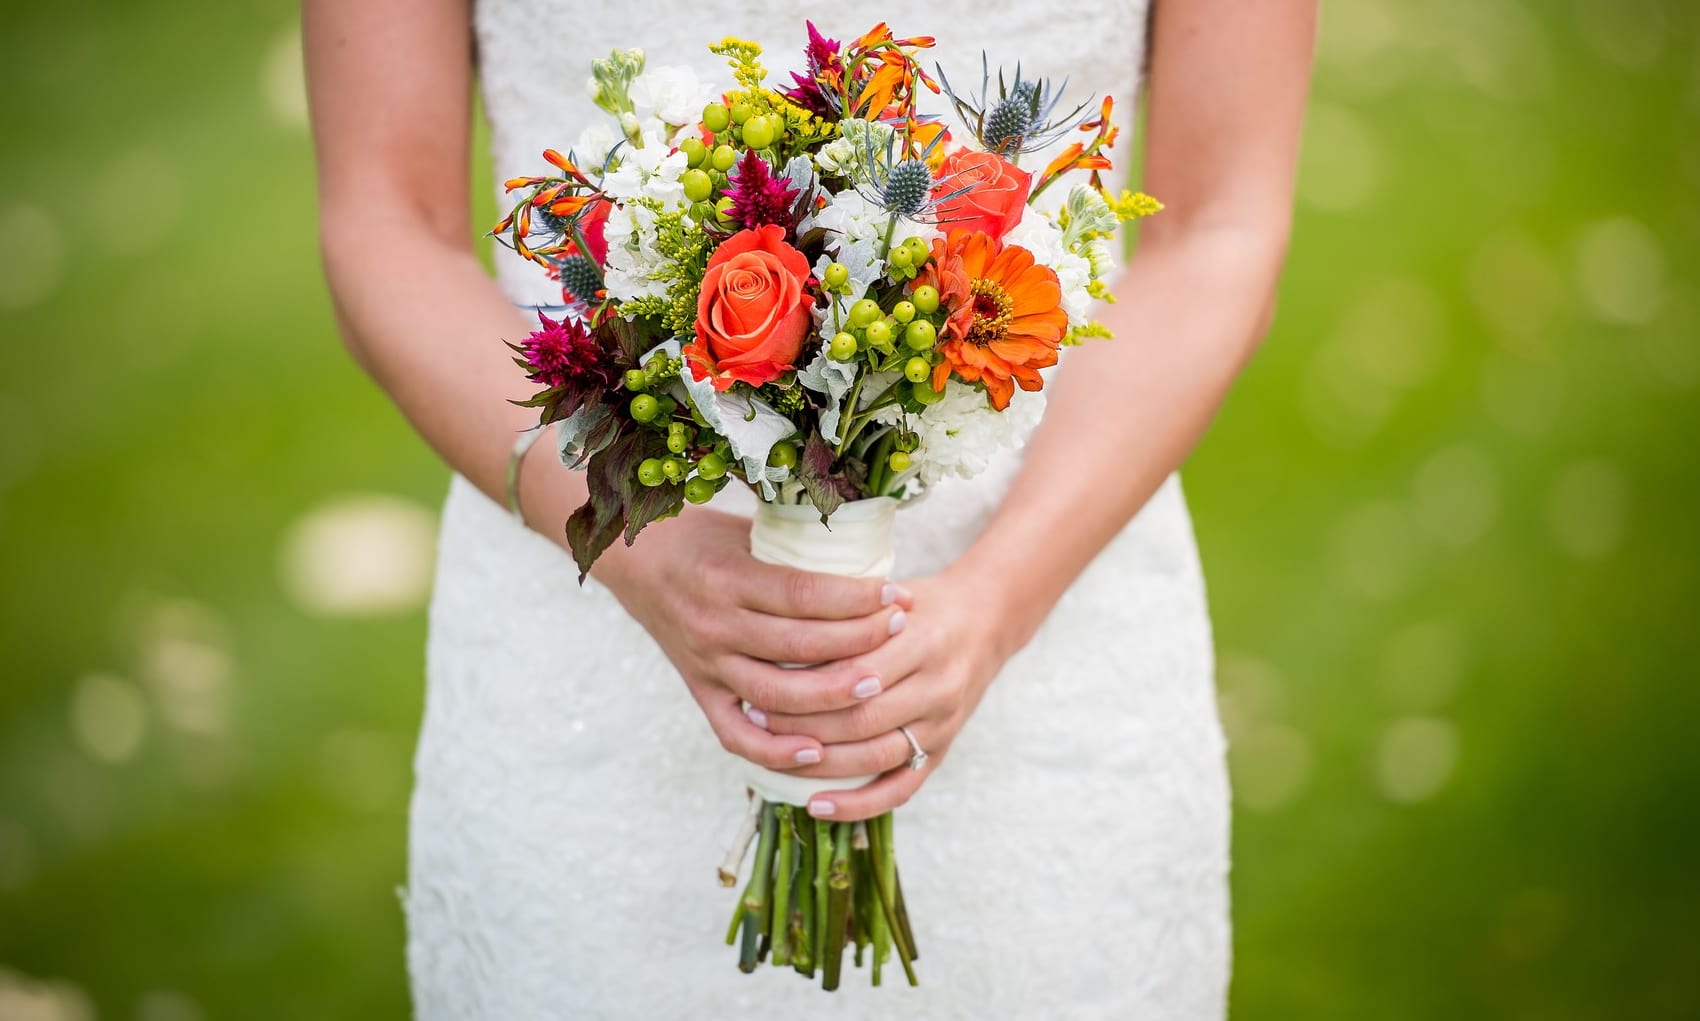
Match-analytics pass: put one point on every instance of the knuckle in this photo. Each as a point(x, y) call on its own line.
point(801, 589)
point(796, 644)
point(862, 720)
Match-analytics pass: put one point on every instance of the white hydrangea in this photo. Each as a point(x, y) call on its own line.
point(857, 229)
point(961, 434)
point(673, 95)
point(649, 173)
point(1039, 235)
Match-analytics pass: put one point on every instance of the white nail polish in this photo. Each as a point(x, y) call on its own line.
point(807, 756)
point(898, 619)
point(757, 717)
point(888, 595)
point(867, 687)
point(819, 808)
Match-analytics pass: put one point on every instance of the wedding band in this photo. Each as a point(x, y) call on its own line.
point(918, 760)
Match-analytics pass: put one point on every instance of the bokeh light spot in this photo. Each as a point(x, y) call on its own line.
point(1416, 757)
point(1422, 666)
point(283, 80)
point(167, 1005)
point(361, 555)
point(108, 717)
point(32, 256)
point(1250, 692)
point(1516, 288)
point(1620, 271)
point(1588, 509)
point(1271, 765)
point(1456, 495)
point(1341, 162)
point(1525, 397)
point(26, 999)
point(1375, 550)
point(139, 200)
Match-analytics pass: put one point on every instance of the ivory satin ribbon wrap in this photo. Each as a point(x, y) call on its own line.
point(855, 543)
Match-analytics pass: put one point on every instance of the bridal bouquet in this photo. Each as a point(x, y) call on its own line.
point(813, 289)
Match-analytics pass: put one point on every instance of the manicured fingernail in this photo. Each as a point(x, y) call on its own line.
point(819, 808)
point(867, 687)
point(757, 717)
point(898, 619)
point(807, 756)
point(892, 593)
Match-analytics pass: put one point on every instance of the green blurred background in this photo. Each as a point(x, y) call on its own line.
point(1448, 517)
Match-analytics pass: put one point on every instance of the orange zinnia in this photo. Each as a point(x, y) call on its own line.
point(1006, 319)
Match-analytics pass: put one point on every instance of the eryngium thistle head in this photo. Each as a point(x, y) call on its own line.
point(1010, 121)
point(579, 277)
point(907, 189)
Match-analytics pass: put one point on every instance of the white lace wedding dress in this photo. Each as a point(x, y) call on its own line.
point(1068, 861)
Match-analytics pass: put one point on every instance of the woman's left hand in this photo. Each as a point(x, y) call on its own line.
point(930, 678)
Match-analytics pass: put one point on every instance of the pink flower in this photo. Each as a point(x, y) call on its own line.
point(759, 198)
point(564, 353)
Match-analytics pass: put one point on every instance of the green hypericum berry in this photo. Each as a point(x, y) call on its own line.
point(673, 468)
point(919, 335)
point(917, 369)
point(925, 394)
point(899, 461)
point(919, 253)
point(645, 408)
point(783, 455)
point(636, 380)
point(879, 334)
point(712, 466)
point(715, 117)
point(724, 158)
point(699, 490)
point(837, 275)
point(676, 442)
point(758, 132)
point(723, 211)
point(903, 311)
point(864, 312)
point(698, 185)
point(695, 152)
point(926, 298)
point(902, 257)
point(742, 112)
point(650, 473)
point(842, 348)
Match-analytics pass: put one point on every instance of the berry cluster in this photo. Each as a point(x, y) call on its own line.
point(651, 408)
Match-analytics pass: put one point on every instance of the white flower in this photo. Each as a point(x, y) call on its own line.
point(651, 174)
point(843, 156)
point(594, 144)
point(857, 230)
point(1039, 235)
point(671, 94)
point(961, 433)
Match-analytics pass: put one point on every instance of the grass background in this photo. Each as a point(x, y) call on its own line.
point(1448, 517)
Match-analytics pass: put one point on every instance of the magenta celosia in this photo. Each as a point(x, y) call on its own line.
point(759, 198)
point(808, 91)
point(564, 353)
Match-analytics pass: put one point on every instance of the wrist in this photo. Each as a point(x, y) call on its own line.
point(1011, 614)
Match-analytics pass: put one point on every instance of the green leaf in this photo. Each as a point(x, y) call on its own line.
point(587, 539)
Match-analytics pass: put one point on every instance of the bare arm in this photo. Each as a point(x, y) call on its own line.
point(389, 83)
point(1227, 93)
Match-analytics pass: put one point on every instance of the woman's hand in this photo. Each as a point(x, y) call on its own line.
point(930, 679)
point(724, 619)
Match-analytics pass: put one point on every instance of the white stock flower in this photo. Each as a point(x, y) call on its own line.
point(650, 174)
point(961, 433)
point(673, 95)
point(594, 143)
point(856, 229)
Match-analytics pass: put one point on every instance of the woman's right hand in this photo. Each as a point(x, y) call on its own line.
point(725, 619)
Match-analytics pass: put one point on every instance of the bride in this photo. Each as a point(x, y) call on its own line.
point(1045, 637)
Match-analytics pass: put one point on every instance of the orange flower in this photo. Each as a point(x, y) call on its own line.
point(753, 310)
point(1005, 320)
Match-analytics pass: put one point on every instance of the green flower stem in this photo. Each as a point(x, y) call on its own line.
point(862, 886)
point(779, 919)
point(879, 467)
point(848, 414)
point(803, 902)
point(838, 910)
point(857, 421)
point(823, 872)
point(903, 916)
point(755, 892)
point(885, 885)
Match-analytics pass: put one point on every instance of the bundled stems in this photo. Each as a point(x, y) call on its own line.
point(818, 888)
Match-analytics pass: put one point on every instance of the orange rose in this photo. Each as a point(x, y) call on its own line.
point(996, 195)
point(753, 312)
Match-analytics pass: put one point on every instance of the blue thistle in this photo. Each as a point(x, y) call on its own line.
point(1021, 118)
point(580, 277)
point(908, 188)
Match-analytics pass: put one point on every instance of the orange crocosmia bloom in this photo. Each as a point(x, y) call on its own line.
point(1005, 320)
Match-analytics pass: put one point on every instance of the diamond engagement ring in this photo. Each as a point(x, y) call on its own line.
point(918, 759)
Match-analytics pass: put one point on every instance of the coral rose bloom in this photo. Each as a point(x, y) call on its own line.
point(1006, 319)
point(996, 195)
point(753, 311)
